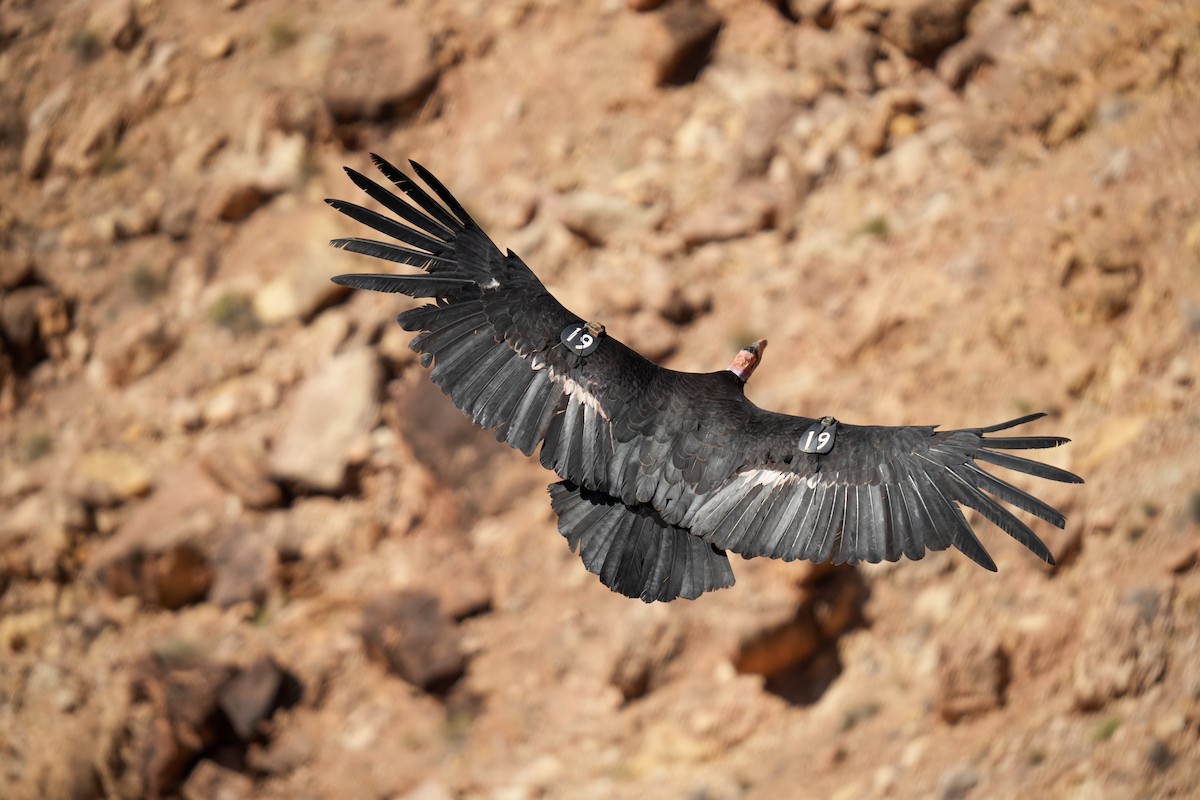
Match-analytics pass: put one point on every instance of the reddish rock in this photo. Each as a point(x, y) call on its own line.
point(160, 553)
point(232, 201)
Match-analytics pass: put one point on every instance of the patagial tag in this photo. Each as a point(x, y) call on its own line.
point(582, 338)
point(819, 437)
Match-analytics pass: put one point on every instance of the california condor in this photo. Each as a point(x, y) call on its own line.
point(664, 471)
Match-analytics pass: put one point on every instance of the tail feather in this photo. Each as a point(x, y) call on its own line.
point(633, 550)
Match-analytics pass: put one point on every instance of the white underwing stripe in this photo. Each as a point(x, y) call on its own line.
point(576, 391)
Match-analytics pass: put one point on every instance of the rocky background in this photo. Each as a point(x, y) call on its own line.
point(247, 550)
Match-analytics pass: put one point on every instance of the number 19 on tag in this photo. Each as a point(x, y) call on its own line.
point(577, 338)
point(818, 438)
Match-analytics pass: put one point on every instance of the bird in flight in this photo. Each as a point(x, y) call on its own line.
point(664, 472)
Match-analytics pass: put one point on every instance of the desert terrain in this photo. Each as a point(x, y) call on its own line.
point(248, 550)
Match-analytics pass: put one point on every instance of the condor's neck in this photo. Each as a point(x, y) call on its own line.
point(733, 379)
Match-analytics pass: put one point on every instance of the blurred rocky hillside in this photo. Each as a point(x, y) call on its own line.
point(248, 550)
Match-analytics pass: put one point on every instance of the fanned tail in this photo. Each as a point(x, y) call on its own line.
point(633, 550)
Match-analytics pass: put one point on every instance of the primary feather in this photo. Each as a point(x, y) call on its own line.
point(664, 471)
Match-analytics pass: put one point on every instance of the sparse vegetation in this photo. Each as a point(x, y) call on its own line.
point(85, 44)
point(147, 283)
point(233, 311)
point(177, 650)
point(456, 726)
point(876, 226)
point(281, 35)
point(110, 161)
point(1105, 730)
point(855, 715)
point(740, 337)
point(37, 444)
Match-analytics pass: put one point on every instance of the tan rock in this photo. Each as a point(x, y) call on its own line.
point(216, 46)
point(750, 209)
point(35, 535)
point(94, 137)
point(395, 42)
point(115, 474)
point(1123, 650)
point(125, 353)
point(116, 22)
point(42, 130)
point(241, 467)
point(211, 780)
point(331, 412)
point(245, 568)
point(300, 292)
point(601, 219)
point(972, 678)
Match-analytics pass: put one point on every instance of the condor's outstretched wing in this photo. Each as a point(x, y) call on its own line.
point(493, 332)
point(879, 494)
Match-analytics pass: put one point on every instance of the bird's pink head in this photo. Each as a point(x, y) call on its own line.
point(744, 362)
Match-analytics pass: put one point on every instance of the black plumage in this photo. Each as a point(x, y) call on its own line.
point(664, 471)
